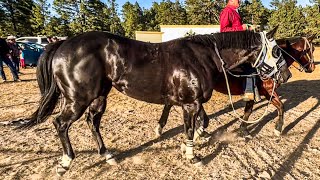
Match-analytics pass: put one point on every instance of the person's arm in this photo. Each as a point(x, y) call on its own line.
point(226, 24)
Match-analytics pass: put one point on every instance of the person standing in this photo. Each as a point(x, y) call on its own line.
point(230, 21)
point(14, 51)
point(5, 57)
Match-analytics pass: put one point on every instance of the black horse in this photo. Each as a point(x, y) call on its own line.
point(297, 52)
point(181, 72)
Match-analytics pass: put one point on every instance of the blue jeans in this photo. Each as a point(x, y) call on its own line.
point(8, 62)
point(16, 62)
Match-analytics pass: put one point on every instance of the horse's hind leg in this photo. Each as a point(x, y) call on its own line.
point(96, 110)
point(70, 113)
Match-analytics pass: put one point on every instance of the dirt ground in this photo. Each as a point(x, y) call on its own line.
point(128, 129)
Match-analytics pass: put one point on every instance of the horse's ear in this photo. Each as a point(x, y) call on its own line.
point(271, 33)
point(311, 38)
point(288, 45)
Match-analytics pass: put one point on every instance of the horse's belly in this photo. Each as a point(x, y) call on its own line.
point(142, 90)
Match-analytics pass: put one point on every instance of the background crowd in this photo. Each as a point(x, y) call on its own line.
point(12, 55)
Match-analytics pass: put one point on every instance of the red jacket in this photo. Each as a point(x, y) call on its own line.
point(230, 20)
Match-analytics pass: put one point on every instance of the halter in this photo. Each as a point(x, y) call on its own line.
point(269, 62)
point(304, 52)
point(258, 64)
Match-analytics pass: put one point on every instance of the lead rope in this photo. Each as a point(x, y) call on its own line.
point(230, 97)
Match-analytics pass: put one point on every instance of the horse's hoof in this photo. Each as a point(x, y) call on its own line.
point(196, 161)
point(244, 132)
point(183, 148)
point(158, 130)
point(61, 170)
point(111, 160)
point(277, 132)
point(205, 136)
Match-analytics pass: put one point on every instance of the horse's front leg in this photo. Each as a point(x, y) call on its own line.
point(163, 120)
point(247, 112)
point(280, 107)
point(201, 123)
point(190, 114)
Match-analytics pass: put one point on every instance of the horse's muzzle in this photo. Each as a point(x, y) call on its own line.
point(311, 68)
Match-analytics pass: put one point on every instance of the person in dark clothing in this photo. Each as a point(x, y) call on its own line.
point(5, 57)
point(14, 51)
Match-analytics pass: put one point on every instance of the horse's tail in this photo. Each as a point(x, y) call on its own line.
point(48, 87)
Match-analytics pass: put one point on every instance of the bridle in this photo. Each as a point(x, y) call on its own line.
point(259, 64)
point(304, 53)
point(269, 60)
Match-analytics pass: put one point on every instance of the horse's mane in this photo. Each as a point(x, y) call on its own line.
point(292, 40)
point(241, 40)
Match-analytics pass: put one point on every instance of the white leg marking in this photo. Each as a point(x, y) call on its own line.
point(183, 147)
point(65, 161)
point(110, 159)
point(277, 133)
point(158, 130)
point(197, 133)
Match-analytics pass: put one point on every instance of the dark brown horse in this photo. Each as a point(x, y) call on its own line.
point(181, 72)
point(297, 51)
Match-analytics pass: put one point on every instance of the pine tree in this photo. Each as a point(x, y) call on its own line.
point(133, 19)
point(69, 13)
point(312, 14)
point(255, 13)
point(289, 17)
point(115, 22)
point(40, 16)
point(95, 15)
point(204, 12)
point(171, 13)
point(17, 15)
point(149, 16)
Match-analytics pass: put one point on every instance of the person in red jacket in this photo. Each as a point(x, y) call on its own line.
point(230, 21)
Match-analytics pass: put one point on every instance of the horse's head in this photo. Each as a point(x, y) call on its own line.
point(299, 53)
point(270, 63)
point(259, 49)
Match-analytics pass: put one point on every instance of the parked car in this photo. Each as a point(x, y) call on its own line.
point(34, 39)
point(31, 52)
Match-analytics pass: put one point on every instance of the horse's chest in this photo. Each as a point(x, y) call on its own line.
point(184, 86)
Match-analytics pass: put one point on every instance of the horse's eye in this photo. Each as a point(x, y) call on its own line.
point(276, 53)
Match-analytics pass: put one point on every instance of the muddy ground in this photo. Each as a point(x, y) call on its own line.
point(127, 129)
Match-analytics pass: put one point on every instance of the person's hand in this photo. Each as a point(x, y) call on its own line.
point(248, 27)
point(245, 27)
point(9, 56)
